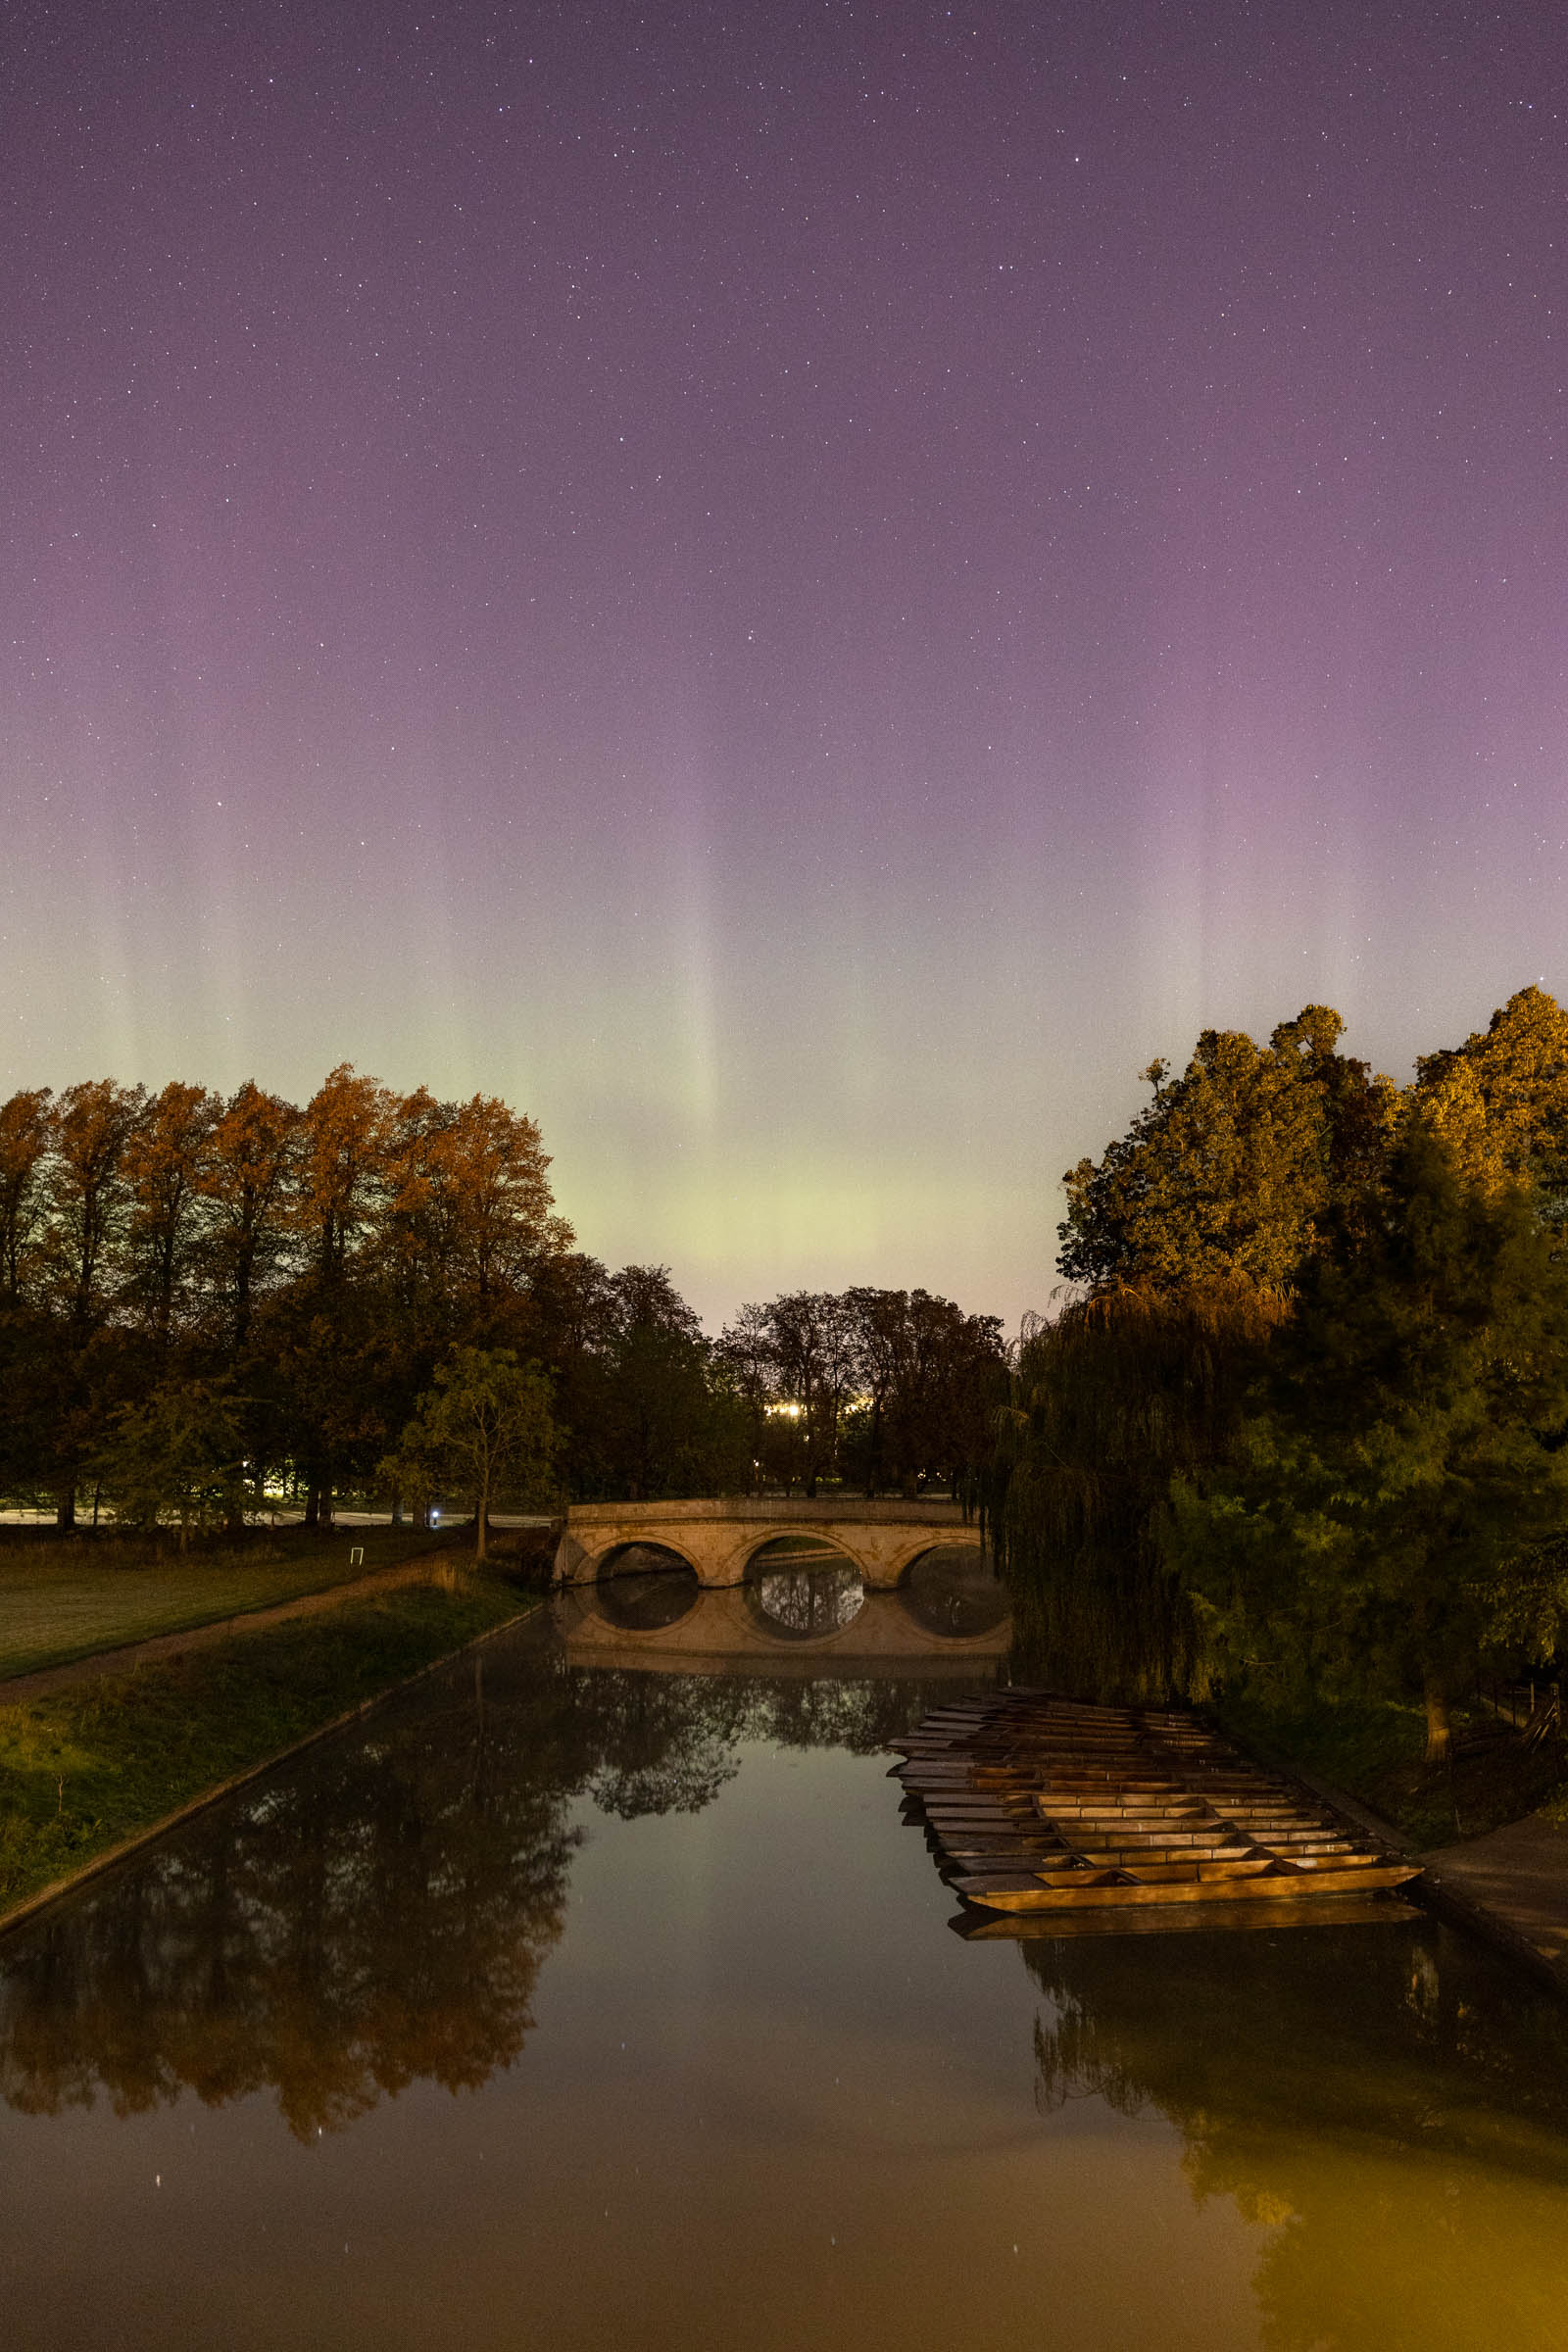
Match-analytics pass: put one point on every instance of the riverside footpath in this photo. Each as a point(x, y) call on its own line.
point(440, 1568)
point(1510, 1885)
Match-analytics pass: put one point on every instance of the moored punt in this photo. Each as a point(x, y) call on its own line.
point(1035, 1803)
point(1389, 1910)
point(1017, 1892)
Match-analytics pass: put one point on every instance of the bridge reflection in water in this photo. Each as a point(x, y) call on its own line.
point(802, 1608)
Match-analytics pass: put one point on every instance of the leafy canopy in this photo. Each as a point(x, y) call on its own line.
point(1229, 1170)
point(483, 1428)
point(1401, 1473)
point(176, 1455)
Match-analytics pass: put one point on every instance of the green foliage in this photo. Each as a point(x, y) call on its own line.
point(1125, 1391)
point(1375, 1748)
point(1392, 1506)
point(483, 1428)
point(1399, 1479)
point(178, 1456)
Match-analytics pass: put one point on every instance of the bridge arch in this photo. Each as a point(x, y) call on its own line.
point(802, 1547)
point(718, 1537)
point(800, 1586)
point(648, 1600)
point(637, 1557)
point(952, 1591)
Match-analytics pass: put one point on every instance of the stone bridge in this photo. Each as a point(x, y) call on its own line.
point(720, 1539)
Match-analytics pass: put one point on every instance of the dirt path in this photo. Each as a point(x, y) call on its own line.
point(431, 1568)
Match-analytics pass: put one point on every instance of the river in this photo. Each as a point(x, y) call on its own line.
point(594, 1994)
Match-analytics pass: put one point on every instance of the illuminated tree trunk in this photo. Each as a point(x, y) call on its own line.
point(1439, 1731)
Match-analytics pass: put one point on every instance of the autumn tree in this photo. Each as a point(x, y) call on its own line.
point(246, 1179)
point(165, 1169)
point(1500, 1102)
point(324, 1321)
point(93, 1124)
point(26, 1128)
point(325, 1257)
point(345, 1136)
point(73, 1372)
point(1232, 1167)
point(489, 1171)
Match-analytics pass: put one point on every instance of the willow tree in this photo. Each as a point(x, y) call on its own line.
point(1124, 1392)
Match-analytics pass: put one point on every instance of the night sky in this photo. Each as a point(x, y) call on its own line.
point(795, 591)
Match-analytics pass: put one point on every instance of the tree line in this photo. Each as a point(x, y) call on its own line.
point(206, 1297)
point(1304, 1418)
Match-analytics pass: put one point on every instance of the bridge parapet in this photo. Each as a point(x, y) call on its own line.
point(717, 1537)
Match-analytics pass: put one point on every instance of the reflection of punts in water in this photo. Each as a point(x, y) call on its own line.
point(1041, 1804)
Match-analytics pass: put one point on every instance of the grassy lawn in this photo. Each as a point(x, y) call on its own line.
point(82, 1768)
point(1373, 1750)
point(64, 1601)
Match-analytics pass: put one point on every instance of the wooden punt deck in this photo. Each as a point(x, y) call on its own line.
point(1041, 1804)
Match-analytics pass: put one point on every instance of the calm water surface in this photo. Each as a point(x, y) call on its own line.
point(612, 2004)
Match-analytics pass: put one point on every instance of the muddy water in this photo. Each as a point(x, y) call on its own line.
point(612, 2004)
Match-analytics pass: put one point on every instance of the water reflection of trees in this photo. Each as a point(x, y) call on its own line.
point(804, 1602)
point(1391, 2102)
point(377, 1917)
point(379, 1914)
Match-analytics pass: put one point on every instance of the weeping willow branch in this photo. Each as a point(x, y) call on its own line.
point(1121, 1393)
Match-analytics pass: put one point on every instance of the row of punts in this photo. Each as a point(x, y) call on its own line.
point(1039, 1803)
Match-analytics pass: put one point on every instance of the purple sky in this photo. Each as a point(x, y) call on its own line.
point(797, 592)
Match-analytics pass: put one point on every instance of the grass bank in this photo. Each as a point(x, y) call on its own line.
point(85, 1768)
point(1373, 1749)
point(65, 1600)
